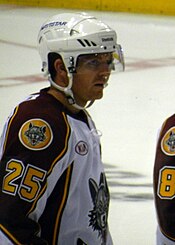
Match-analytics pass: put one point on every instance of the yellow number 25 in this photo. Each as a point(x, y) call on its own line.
point(24, 181)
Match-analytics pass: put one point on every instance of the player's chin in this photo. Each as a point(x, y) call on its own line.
point(98, 95)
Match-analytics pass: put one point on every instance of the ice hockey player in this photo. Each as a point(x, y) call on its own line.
point(53, 188)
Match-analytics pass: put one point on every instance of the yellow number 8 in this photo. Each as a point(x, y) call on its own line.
point(166, 187)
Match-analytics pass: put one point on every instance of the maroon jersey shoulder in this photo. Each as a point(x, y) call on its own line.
point(38, 126)
point(164, 178)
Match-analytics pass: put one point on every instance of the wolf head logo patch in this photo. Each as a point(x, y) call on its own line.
point(36, 134)
point(99, 214)
point(168, 142)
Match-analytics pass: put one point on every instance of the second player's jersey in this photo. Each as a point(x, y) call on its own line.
point(164, 182)
point(53, 186)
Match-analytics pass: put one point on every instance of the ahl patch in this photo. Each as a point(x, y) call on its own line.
point(36, 134)
point(168, 142)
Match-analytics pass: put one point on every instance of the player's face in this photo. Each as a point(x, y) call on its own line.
point(92, 74)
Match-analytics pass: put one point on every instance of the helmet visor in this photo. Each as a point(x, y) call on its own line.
point(110, 61)
point(118, 59)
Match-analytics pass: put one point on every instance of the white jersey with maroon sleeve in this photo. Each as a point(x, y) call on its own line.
point(53, 187)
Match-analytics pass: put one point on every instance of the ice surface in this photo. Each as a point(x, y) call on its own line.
point(134, 106)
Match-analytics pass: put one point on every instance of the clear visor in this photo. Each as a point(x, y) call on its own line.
point(118, 59)
point(107, 62)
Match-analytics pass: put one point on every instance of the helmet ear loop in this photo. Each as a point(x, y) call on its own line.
point(66, 90)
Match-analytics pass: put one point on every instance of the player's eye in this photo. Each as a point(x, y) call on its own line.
point(93, 63)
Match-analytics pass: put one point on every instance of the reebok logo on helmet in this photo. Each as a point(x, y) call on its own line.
point(107, 39)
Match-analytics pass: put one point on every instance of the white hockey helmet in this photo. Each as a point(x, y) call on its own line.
point(74, 34)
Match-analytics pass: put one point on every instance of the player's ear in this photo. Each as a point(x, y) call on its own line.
point(61, 73)
point(59, 66)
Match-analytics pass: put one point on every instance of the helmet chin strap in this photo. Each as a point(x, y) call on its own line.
point(68, 92)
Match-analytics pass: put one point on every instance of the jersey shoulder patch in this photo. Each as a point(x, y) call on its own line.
point(168, 142)
point(35, 134)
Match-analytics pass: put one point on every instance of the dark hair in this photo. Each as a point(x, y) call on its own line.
point(51, 60)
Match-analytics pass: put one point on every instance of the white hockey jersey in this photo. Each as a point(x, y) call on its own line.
point(53, 186)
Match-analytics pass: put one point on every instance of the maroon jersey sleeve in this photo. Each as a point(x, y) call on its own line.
point(164, 179)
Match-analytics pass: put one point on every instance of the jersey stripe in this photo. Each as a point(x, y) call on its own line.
point(39, 196)
point(9, 235)
point(64, 199)
point(169, 237)
point(65, 145)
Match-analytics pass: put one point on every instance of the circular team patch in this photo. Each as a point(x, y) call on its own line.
point(81, 148)
point(36, 134)
point(168, 142)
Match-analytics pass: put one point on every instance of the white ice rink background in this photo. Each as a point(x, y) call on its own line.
point(134, 106)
